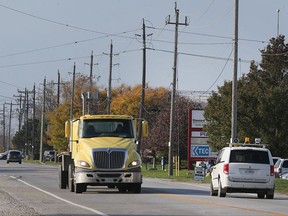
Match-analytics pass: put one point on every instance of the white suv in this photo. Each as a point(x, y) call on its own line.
point(281, 167)
point(243, 169)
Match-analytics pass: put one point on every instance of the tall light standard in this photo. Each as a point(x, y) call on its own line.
point(278, 12)
point(234, 82)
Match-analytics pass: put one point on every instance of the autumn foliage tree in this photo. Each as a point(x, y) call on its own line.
point(125, 100)
point(56, 118)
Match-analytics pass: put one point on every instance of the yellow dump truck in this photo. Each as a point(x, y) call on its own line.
point(103, 152)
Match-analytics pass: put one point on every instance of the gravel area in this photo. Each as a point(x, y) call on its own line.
point(12, 207)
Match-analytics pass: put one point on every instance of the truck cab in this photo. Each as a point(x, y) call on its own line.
point(103, 152)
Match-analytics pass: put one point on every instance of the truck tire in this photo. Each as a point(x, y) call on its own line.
point(136, 188)
point(71, 177)
point(79, 188)
point(122, 189)
point(63, 178)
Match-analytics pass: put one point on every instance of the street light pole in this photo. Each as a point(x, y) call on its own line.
point(234, 82)
point(278, 11)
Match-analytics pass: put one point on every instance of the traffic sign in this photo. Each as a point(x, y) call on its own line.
point(200, 150)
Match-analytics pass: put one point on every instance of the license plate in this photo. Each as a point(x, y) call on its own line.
point(249, 171)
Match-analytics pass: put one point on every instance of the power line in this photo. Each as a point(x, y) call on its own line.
point(221, 71)
point(50, 47)
point(64, 24)
point(42, 62)
point(10, 84)
point(210, 35)
point(7, 97)
point(201, 56)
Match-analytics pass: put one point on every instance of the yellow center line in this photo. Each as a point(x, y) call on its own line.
point(221, 204)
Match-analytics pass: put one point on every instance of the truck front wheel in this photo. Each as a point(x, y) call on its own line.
point(79, 188)
point(71, 177)
point(63, 178)
point(135, 188)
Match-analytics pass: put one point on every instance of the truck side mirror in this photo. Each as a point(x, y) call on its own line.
point(144, 128)
point(67, 129)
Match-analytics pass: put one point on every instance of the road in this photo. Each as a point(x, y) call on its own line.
point(32, 189)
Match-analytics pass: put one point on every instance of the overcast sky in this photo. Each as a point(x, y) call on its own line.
point(39, 37)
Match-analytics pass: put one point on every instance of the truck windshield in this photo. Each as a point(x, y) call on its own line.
point(106, 128)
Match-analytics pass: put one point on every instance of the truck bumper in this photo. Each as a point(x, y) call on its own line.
point(107, 178)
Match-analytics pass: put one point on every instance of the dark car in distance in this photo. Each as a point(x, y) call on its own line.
point(14, 156)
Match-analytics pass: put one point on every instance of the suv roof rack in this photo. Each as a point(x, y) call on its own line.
point(247, 145)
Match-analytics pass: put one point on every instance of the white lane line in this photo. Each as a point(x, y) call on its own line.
point(59, 198)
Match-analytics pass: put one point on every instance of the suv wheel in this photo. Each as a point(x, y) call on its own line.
point(270, 194)
point(212, 191)
point(261, 195)
point(221, 191)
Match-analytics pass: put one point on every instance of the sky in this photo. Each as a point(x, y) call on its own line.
point(39, 38)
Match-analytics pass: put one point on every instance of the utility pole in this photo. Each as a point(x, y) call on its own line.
point(90, 86)
point(20, 110)
point(172, 118)
point(26, 116)
point(234, 82)
point(72, 106)
point(110, 79)
point(33, 121)
point(4, 128)
point(142, 104)
point(42, 121)
point(9, 127)
point(58, 89)
point(9, 131)
point(91, 73)
point(72, 94)
point(26, 122)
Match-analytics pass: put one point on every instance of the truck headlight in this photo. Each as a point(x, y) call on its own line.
point(83, 163)
point(134, 163)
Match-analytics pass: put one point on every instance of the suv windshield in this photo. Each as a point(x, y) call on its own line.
point(249, 156)
point(106, 127)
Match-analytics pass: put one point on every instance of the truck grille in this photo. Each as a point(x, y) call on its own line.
point(109, 158)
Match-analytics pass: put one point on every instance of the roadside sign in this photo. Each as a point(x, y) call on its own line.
point(200, 151)
point(199, 173)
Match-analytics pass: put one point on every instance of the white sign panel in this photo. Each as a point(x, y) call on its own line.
point(199, 140)
point(199, 134)
point(199, 173)
point(198, 120)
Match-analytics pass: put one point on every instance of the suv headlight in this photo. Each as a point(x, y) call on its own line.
point(134, 163)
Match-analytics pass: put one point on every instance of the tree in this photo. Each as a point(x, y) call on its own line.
point(159, 131)
point(19, 138)
point(262, 102)
point(125, 100)
point(56, 118)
